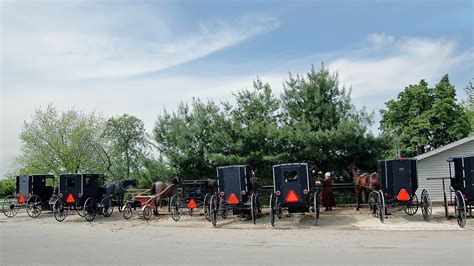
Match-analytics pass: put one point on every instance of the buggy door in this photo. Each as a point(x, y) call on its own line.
point(293, 180)
point(233, 180)
point(23, 185)
point(70, 185)
point(90, 186)
point(38, 185)
point(404, 176)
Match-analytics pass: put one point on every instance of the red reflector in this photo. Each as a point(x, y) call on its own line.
point(70, 199)
point(232, 199)
point(292, 196)
point(403, 195)
point(21, 199)
point(192, 204)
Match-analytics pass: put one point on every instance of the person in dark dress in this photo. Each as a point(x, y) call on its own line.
point(328, 197)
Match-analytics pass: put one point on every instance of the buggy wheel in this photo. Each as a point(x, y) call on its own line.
point(460, 208)
point(426, 208)
point(223, 207)
point(206, 205)
point(127, 211)
point(381, 206)
point(34, 206)
point(213, 210)
point(80, 210)
point(60, 213)
point(147, 212)
point(175, 204)
point(90, 209)
point(317, 206)
point(253, 207)
point(107, 206)
point(11, 206)
point(273, 200)
point(373, 199)
point(411, 207)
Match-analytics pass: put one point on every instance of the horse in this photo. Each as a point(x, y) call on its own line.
point(118, 189)
point(164, 190)
point(363, 183)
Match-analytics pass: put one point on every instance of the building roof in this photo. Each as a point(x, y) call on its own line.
point(445, 147)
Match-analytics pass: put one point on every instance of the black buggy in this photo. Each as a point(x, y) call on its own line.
point(85, 194)
point(237, 192)
point(398, 183)
point(33, 192)
point(463, 184)
point(192, 194)
point(293, 191)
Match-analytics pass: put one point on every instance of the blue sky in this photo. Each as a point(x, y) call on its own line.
point(139, 57)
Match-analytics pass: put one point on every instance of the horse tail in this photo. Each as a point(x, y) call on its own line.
point(153, 189)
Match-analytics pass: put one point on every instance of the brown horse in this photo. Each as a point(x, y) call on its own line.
point(363, 183)
point(164, 190)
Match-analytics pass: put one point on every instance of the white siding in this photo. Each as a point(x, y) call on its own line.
point(437, 166)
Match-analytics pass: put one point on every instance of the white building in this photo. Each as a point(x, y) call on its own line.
point(434, 164)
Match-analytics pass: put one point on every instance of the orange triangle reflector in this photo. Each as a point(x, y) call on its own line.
point(232, 199)
point(403, 195)
point(192, 204)
point(21, 199)
point(70, 199)
point(292, 196)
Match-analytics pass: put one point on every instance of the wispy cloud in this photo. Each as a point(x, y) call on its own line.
point(388, 64)
point(83, 53)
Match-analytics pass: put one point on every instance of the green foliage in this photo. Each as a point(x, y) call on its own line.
point(153, 170)
point(314, 122)
point(61, 142)
point(127, 142)
point(7, 186)
point(422, 118)
point(184, 138)
point(322, 127)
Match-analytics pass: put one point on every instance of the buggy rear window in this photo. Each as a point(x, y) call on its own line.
point(71, 182)
point(88, 181)
point(290, 176)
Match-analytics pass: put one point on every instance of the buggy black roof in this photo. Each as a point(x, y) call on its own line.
point(39, 175)
point(233, 166)
point(289, 164)
point(85, 174)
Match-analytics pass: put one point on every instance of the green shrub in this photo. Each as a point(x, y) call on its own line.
point(7, 187)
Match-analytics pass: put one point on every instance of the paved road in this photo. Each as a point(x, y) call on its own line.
point(78, 242)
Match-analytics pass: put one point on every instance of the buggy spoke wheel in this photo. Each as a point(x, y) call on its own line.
point(33, 206)
point(213, 210)
point(80, 210)
point(175, 204)
point(11, 206)
point(206, 204)
point(223, 208)
point(90, 209)
point(147, 212)
point(381, 206)
point(317, 206)
point(60, 213)
point(107, 206)
point(127, 212)
point(253, 207)
point(426, 208)
point(411, 207)
point(373, 199)
point(460, 208)
point(272, 209)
